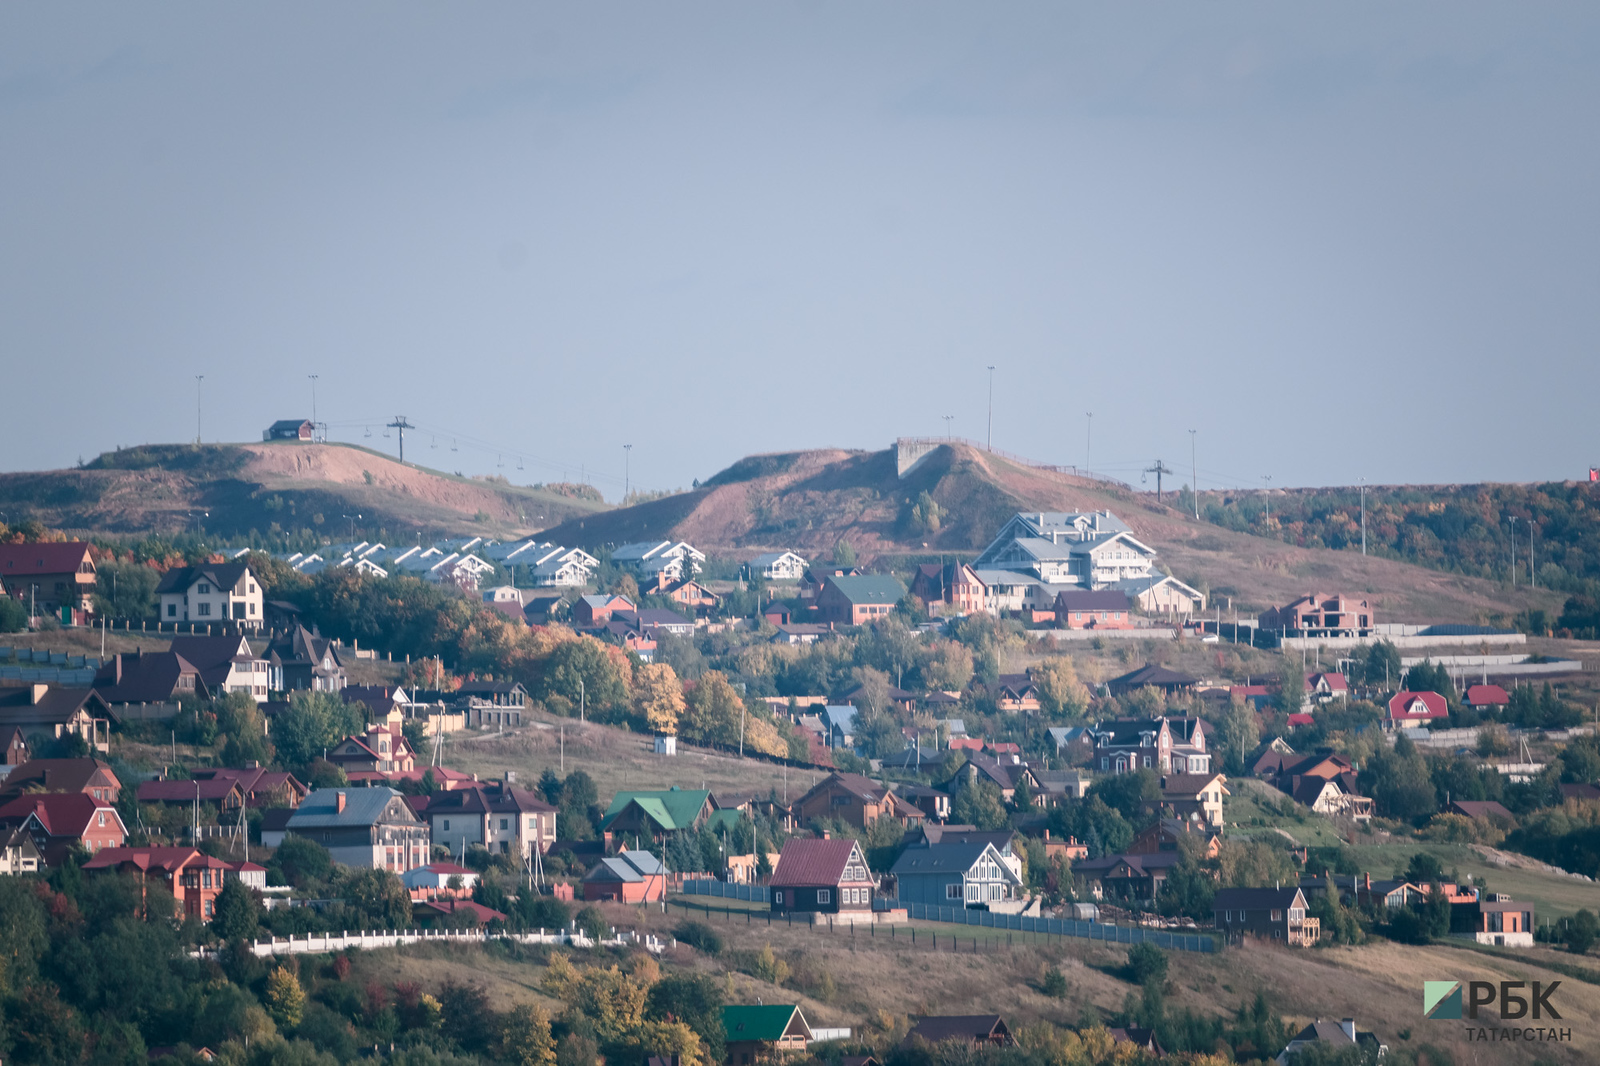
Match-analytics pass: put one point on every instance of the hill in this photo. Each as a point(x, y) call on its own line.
point(810, 501)
point(231, 489)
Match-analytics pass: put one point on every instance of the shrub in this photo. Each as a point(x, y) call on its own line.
point(699, 935)
point(1146, 964)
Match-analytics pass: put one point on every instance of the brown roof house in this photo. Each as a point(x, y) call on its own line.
point(148, 685)
point(90, 776)
point(40, 707)
point(823, 877)
point(59, 822)
point(1195, 797)
point(1275, 914)
point(855, 799)
point(48, 576)
point(211, 593)
point(227, 664)
point(978, 1030)
point(853, 601)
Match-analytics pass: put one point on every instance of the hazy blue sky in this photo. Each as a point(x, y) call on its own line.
point(1339, 240)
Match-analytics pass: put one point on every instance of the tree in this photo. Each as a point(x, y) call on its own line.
point(1581, 931)
point(695, 1000)
point(1424, 869)
point(979, 803)
point(125, 590)
point(1383, 664)
point(1397, 780)
point(1061, 694)
point(1146, 964)
point(302, 860)
point(582, 671)
point(314, 722)
point(658, 697)
point(1291, 688)
point(525, 1038)
point(286, 1000)
point(378, 895)
point(13, 615)
point(238, 912)
point(844, 556)
point(712, 711)
point(1237, 736)
point(947, 666)
point(24, 935)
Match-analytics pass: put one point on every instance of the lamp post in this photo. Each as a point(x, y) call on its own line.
point(198, 378)
point(1194, 487)
point(313, 378)
point(1266, 494)
point(627, 469)
point(1513, 521)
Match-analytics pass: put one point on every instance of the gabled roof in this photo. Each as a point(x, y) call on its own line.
point(1418, 705)
point(183, 578)
point(167, 860)
point(58, 775)
point(1183, 784)
point(1487, 696)
point(212, 653)
point(62, 814)
point(363, 807)
point(1257, 899)
point(949, 856)
point(150, 677)
point(673, 808)
point(1481, 809)
point(766, 1023)
point(968, 1027)
point(43, 557)
point(57, 705)
point(1092, 600)
point(1150, 674)
point(863, 788)
point(813, 862)
point(869, 588)
point(214, 790)
point(627, 867)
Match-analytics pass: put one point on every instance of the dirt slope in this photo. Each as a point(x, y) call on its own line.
point(809, 501)
point(236, 488)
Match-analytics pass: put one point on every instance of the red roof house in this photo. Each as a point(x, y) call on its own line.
point(1417, 707)
point(193, 878)
point(59, 820)
point(830, 876)
point(1487, 696)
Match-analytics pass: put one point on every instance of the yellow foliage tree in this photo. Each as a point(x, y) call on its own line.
point(770, 968)
point(613, 1000)
point(560, 978)
point(658, 697)
point(1060, 691)
point(286, 1000)
point(525, 1038)
point(712, 711)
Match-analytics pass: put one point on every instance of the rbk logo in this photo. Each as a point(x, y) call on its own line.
point(1441, 1000)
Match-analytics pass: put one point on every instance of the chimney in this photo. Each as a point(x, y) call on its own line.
point(1369, 881)
point(339, 802)
point(1349, 1027)
point(39, 689)
point(117, 668)
point(1047, 834)
point(47, 777)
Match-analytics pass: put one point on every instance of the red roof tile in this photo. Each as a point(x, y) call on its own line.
point(1404, 706)
point(812, 862)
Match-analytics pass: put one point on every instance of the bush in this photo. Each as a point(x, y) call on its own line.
point(1581, 932)
point(1146, 964)
point(700, 936)
point(1054, 983)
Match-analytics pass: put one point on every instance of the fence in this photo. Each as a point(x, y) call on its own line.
point(1119, 934)
point(326, 943)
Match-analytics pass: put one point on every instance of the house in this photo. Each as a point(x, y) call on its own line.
point(1332, 797)
point(1004, 775)
point(627, 877)
point(42, 707)
point(1581, 793)
point(1052, 788)
point(838, 722)
point(854, 601)
point(249, 874)
point(897, 697)
point(956, 584)
point(148, 685)
point(262, 789)
point(822, 876)
point(561, 567)
point(1165, 745)
point(1336, 1035)
point(1406, 708)
point(212, 592)
point(1480, 697)
point(1163, 596)
point(1090, 550)
point(1168, 835)
point(226, 664)
point(224, 794)
point(1069, 850)
point(933, 804)
point(61, 821)
point(1387, 892)
point(596, 609)
point(1093, 609)
point(686, 592)
point(194, 878)
point(779, 566)
point(1126, 877)
point(433, 881)
point(381, 749)
point(761, 1033)
point(49, 576)
point(18, 853)
point(366, 827)
point(1196, 797)
point(1276, 914)
point(651, 815)
point(1143, 1039)
point(655, 620)
point(978, 1030)
point(13, 748)
point(1014, 693)
point(301, 659)
point(800, 633)
point(90, 776)
point(492, 704)
point(776, 613)
point(852, 798)
point(956, 872)
point(503, 819)
point(1499, 920)
point(1151, 676)
point(1319, 614)
point(1324, 688)
point(290, 429)
point(657, 559)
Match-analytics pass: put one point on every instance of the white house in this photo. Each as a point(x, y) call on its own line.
point(215, 592)
point(779, 566)
point(652, 559)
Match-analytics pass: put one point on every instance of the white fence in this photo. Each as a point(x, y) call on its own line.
point(327, 943)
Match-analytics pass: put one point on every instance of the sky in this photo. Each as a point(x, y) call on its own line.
point(1336, 241)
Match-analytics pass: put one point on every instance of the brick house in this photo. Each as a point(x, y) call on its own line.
point(627, 877)
point(1276, 914)
point(1319, 614)
point(822, 876)
point(382, 748)
point(90, 776)
point(1094, 609)
point(48, 576)
point(1500, 920)
point(596, 609)
point(194, 878)
point(853, 601)
point(60, 821)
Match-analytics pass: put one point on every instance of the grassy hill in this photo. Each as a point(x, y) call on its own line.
point(230, 489)
point(810, 501)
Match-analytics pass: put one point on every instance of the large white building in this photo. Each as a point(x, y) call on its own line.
point(214, 592)
point(1039, 553)
point(660, 559)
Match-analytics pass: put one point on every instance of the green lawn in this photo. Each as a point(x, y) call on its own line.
point(1253, 811)
point(1555, 895)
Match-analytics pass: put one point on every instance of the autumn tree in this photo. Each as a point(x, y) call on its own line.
point(1060, 691)
point(658, 697)
point(712, 711)
point(525, 1038)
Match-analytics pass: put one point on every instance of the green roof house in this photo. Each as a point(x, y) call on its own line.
point(854, 601)
point(656, 813)
point(761, 1033)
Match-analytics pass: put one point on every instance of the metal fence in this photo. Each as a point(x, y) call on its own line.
point(922, 912)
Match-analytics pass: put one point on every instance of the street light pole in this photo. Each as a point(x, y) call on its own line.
point(1363, 516)
point(989, 443)
point(1194, 488)
point(1266, 494)
point(1513, 551)
point(313, 378)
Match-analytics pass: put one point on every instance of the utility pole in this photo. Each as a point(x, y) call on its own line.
point(313, 378)
point(989, 443)
point(1513, 551)
point(1533, 578)
point(627, 470)
point(947, 420)
point(1159, 469)
point(198, 378)
point(1194, 486)
point(1363, 516)
point(401, 425)
point(1266, 493)
point(1088, 443)
point(583, 701)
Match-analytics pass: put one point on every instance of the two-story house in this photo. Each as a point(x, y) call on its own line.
point(55, 711)
point(854, 601)
point(367, 827)
point(644, 815)
point(822, 876)
point(1195, 797)
point(227, 664)
point(956, 872)
point(300, 659)
point(1165, 745)
point(654, 560)
point(505, 820)
point(61, 821)
point(779, 566)
point(47, 577)
point(148, 684)
point(211, 592)
point(91, 776)
point(194, 878)
point(381, 749)
point(855, 799)
point(1276, 914)
point(1319, 614)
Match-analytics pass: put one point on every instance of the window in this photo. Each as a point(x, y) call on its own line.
point(952, 891)
point(504, 824)
point(205, 609)
point(447, 825)
point(824, 896)
point(252, 608)
point(102, 817)
point(1277, 915)
point(777, 897)
point(972, 893)
point(172, 610)
point(1227, 916)
point(204, 588)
